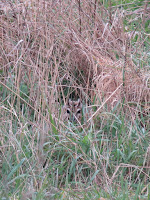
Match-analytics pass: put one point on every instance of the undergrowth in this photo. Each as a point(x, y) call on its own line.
point(97, 51)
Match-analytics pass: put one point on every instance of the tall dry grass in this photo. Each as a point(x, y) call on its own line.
point(58, 50)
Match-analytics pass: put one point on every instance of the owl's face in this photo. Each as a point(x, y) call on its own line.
point(73, 111)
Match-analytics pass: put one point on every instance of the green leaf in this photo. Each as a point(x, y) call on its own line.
point(94, 175)
point(15, 169)
point(53, 124)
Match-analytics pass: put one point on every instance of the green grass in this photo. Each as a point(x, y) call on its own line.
point(113, 156)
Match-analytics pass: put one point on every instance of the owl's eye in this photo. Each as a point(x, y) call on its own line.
point(68, 111)
point(79, 111)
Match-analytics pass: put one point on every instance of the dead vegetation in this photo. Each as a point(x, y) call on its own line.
point(82, 46)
